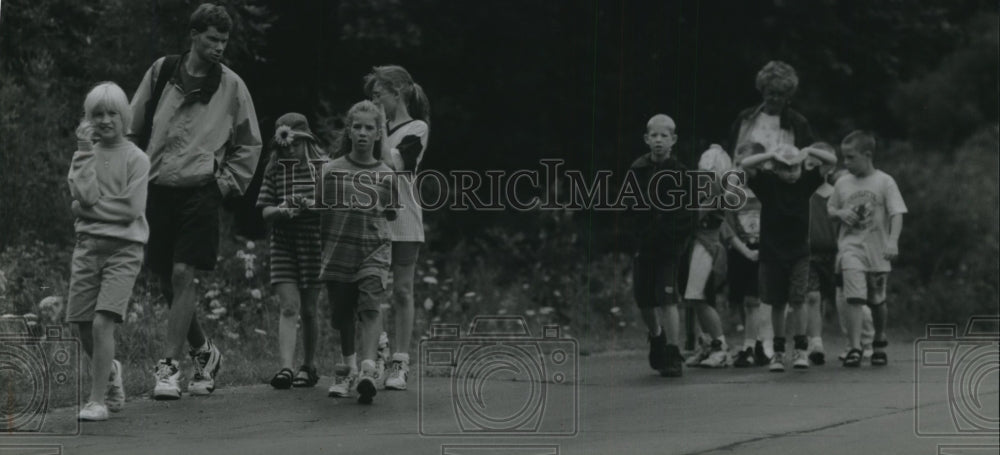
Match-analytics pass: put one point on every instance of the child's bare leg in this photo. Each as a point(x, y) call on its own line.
point(651, 318)
point(371, 327)
point(289, 302)
point(671, 323)
point(750, 332)
point(709, 319)
point(778, 319)
point(85, 333)
point(880, 313)
point(310, 325)
point(855, 318)
point(103, 353)
point(814, 315)
point(402, 299)
point(867, 326)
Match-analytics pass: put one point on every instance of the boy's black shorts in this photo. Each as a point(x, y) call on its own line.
point(784, 281)
point(821, 276)
point(654, 280)
point(742, 277)
point(183, 227)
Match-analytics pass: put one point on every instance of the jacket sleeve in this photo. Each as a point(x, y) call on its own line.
point(125, 207)
point(82, 177)
point(244, 146)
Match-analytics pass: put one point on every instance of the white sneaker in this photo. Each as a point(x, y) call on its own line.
point(114, 397)
point(867, 351)
point(718, 356)
point(382, 356)
point(777, 362)
point(343, 382)
point(366, 382)
point(800, 359)
point(93, 412)
point(700, 354)
point(167, 378)
point(206, 368)
point(397, 372)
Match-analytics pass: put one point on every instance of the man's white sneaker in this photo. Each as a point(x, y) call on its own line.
point(93, 412)
point(800, 359)
point(168, 377)
point(206, 368)
point(366, 382)
point(397, 372)
point(114, 397)
point(777, 362)
point(343, 382)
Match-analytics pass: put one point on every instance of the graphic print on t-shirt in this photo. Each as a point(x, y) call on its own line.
point(863, 204)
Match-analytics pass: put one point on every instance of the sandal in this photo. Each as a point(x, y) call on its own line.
point(879, 358)
point(853, 358)
point(306, 377)
point(283, 379)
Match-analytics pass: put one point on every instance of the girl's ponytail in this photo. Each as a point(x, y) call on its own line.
point(418, 105)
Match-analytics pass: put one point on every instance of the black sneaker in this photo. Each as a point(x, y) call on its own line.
point(760, 358)
point(675, 362)
point(658, 351)
point(745, 358)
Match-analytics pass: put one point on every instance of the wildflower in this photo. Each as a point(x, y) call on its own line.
point(215, 303)
point(621, 324)
point(557, 293)
point(260, 331)
point(430, 280)
point(529, 312)
point(249, 274)
point(219, 311)
point(233, 335)
point(428, 304)
point(546, 309)
point(616, 311)
point(469, 294)
point(283, 135)
point(502, 311)
point(255, 293)
point(251, 245)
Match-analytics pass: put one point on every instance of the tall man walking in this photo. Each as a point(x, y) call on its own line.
point(195, 119)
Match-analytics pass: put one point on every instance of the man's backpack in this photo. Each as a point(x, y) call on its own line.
point(159, 84)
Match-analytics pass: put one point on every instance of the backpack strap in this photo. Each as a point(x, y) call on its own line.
point(163, 76)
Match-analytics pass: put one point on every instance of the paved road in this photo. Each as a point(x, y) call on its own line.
point(624, 408)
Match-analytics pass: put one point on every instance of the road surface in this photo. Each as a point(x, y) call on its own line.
point(623, 408)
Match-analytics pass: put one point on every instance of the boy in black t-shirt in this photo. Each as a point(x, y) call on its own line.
point(784, 239)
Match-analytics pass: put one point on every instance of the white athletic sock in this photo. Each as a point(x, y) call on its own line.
point(722, 338)
point(352, 362)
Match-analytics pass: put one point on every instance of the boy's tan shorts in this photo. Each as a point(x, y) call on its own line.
point(867, 286)
point(103, 273)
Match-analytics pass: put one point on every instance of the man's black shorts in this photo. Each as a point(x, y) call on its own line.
point(183, 227)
